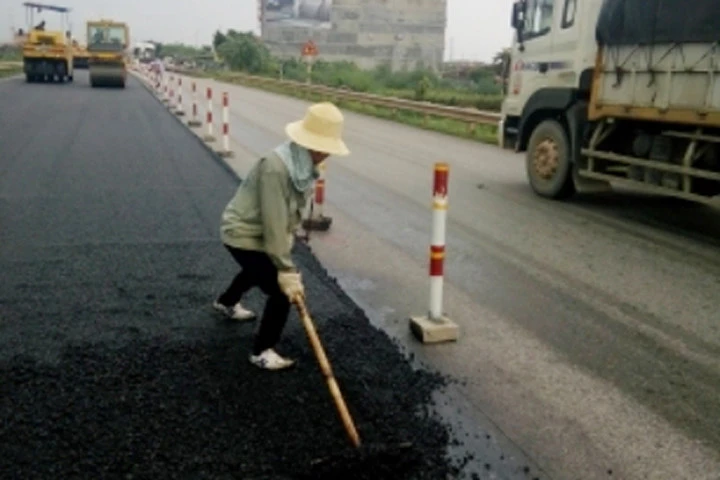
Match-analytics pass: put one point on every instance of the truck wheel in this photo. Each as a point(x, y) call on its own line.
point(547, 161)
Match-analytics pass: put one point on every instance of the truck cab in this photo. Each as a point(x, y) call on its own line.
point(603, 92)
point(551, 63)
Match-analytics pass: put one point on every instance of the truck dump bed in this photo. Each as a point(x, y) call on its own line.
point(658, 60)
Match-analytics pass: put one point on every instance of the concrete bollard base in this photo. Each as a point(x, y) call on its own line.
point(428, 330)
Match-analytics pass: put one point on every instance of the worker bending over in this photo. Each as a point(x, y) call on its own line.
point(259, 223)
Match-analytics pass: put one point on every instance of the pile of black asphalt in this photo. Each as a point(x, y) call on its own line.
point(112, 362)
point(165, 390)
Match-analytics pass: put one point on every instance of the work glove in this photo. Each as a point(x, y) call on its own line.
point(291, 285)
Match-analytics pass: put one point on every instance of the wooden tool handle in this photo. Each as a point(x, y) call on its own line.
point(328, 373)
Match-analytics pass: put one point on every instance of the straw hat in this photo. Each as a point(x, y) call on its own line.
point(320, 130)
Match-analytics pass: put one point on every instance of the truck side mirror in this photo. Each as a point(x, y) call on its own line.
point(517, 20)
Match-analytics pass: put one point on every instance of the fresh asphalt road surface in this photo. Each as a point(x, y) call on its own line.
point(590, 329)
point(112, 364)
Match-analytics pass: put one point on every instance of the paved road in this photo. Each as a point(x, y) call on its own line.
point(591, 328)
point(111, 362)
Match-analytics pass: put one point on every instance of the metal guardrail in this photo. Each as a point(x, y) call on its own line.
point(10, 65)
point(468, 115)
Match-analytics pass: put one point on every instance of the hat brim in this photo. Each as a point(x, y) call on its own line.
point(311, 141)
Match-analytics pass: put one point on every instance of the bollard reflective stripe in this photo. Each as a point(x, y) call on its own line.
point(437, 244)
point(319, 193)
point(437, 257)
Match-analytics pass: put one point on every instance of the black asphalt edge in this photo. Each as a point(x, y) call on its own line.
point(501, 454)
point(223, 164)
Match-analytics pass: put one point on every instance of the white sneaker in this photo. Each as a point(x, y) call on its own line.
point(270, 360)
point(236, 312)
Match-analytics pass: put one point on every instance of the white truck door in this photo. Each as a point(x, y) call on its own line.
point(567, 56)
point(532, 57)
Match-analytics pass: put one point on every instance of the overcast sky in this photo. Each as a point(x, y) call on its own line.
point(476, 28)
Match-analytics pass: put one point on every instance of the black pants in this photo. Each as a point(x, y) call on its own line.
point(259, 271)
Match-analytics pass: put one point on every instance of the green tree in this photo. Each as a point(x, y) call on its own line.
point(244, 52)
point(182, 51)
point(218, 39)
point(500, 59)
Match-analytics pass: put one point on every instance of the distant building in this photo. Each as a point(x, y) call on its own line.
point(403, 34)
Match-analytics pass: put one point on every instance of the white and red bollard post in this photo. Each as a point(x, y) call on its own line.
point(194, 121)
point(165, 96)
point(226, 152)
point(179, 111)
point(171, 88)
point(435, 327)
point(317, 220)
point(209, 137)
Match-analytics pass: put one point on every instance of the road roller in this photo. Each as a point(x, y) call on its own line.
point(107, 45)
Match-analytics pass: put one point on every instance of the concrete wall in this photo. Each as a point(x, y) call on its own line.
point(399, 33)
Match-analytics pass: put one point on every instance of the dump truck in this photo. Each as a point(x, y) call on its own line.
point(616, 93)
point(81, 56)
point(47, 54)
point(107, 45)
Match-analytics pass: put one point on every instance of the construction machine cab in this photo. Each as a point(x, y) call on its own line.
point(107, 36)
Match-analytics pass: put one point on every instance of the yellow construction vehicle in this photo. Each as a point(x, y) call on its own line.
point(80, 55)
point(47, 54)
point(107, 45)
